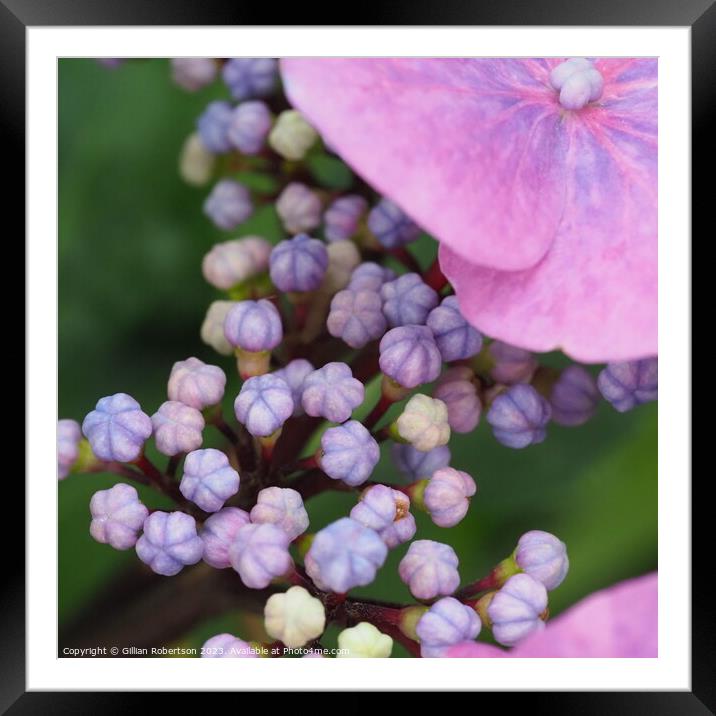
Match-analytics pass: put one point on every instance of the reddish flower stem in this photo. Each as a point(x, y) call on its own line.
point(315, 481)
point(481, 585)
point(406, 258)
point(434, 276)
point(378, 412)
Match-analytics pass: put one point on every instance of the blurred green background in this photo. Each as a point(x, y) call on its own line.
point(132, 299)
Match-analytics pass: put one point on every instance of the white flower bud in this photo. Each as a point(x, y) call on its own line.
point(294, 617)
point(292, 136)
point(364, 641)
point(196, 163)
point(212, 329)
point(424, 423)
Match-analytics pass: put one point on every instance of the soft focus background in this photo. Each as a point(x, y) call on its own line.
point(131, 301)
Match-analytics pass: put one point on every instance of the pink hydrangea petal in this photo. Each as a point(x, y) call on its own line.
point(470, 149)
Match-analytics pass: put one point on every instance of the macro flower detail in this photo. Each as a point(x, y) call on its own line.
point(169, 542)
point(424, 423)
point(218, 533)
point(456, 388)
point(208, 480)
point(416, 464)
point(446, 623)
point(249, 126)
point(574, 396)
point(519, 416)
point(343, 257)
point(294, 617)
point(253, 326)
point(409, 355)
point(349, 453)
point(259, 553)
point(332, 392)
point(117, 428)
point(626, 385)
point(364, 641)
point(248, 77)
point(231, 262)
point(212, 328)
point(193, 73)
point(386, 511)
point(345, 554)
point(299, 264)
point(514, 611)
point(292, 136)
point(196, 162)
point(117, 516)
point(454, 336)
point(356, 317)
point(391, 225)
point(294, 373)
point(407, 300)
point(264, 404)
point(227, 646)
point(542, 556)
point(213, 126)
point(282, 507)
point(196, 384)
point(299, 208)
point(430, 569)
point(177, 428)
point(229, 204)
point(578, 82)
point(370, 276)
point(342, 218)
point(69, 436)
point(510, 364)
point(447, 496)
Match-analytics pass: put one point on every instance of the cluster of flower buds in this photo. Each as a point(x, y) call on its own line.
point(310, 321)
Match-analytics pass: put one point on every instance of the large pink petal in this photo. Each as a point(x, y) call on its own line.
point(471, 149)
point(621, 621)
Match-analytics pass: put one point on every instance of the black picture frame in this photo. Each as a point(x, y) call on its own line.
point(699, 15)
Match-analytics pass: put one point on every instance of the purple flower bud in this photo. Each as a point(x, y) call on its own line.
point(543, 557)
point(370, 276)
point(248, 77)
point(447, 496)
point(117, 516)
point(574, 396)
point(264, 404)
point(430, 569)
point(343, 555)
point(177, 428)
point(515, 610)
point(282, 507)
point(169, 542)
point(456, 388)
point(213, 125)
point(299, 208)
point(386, 511)
point(511, 364)
point(294, 373)
point(259, 553)
point(253, 326)
point(193, 73)
point(110, 63)
point(232, 262)
point(626, 385)
point(69, 436)
point(415, 464)
point(409, 356)
point(218, 532)
point(229, 204)
point(249, 127)
point(208, 479)
point(349, 453)
point(227, 646)
point(332, 392)
point(299, 264)
point(356, 317)
point(407, 300)
point(455, 337)
point(343, 216)
point(212, 329)
point(117, 428)
point(446, 623)
point(519, 416)
point(196, 384)
point(391, 226)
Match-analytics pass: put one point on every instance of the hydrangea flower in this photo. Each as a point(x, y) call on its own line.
point(231, 262)
point(456, 388)
point(574, 396)
point(294, 617)
point(292, 136)
point(177, 428)
point(407, 300)
point(218, 532)
point(514, 611)
point(248, 77)
point(626, 385)
point(510, 364)
point(364, 641)
point(342, 218)
point(213, 126)
point(356, 317)
point(259, 553)
point(299, 208)
point(519, 416)
point(563, 220)
point(212, 328)
point(283, 507)
point(294, 373)
point(196, 162)
point(193, 73)
point(430, 569)
point(227, 646)
point(229, 204)
point(169, 542)
point(454, 336)
point(447, 496)
point(415, 464)
point(391, 225)
point(253, 326)
point(424, 423)
point(370, 276)
point(196, 384)
point(386, 511)
point(409, 355)
point(117, 516)
point(542, 556)
point(208, 480)
point(249, 126)
point(349, 453)
point(343, 257)
point(298, 264)
point(446, 623)
point(69, 436)
point(117, 428)
point(332, 392)
point(264, 404)
point(343, 555)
